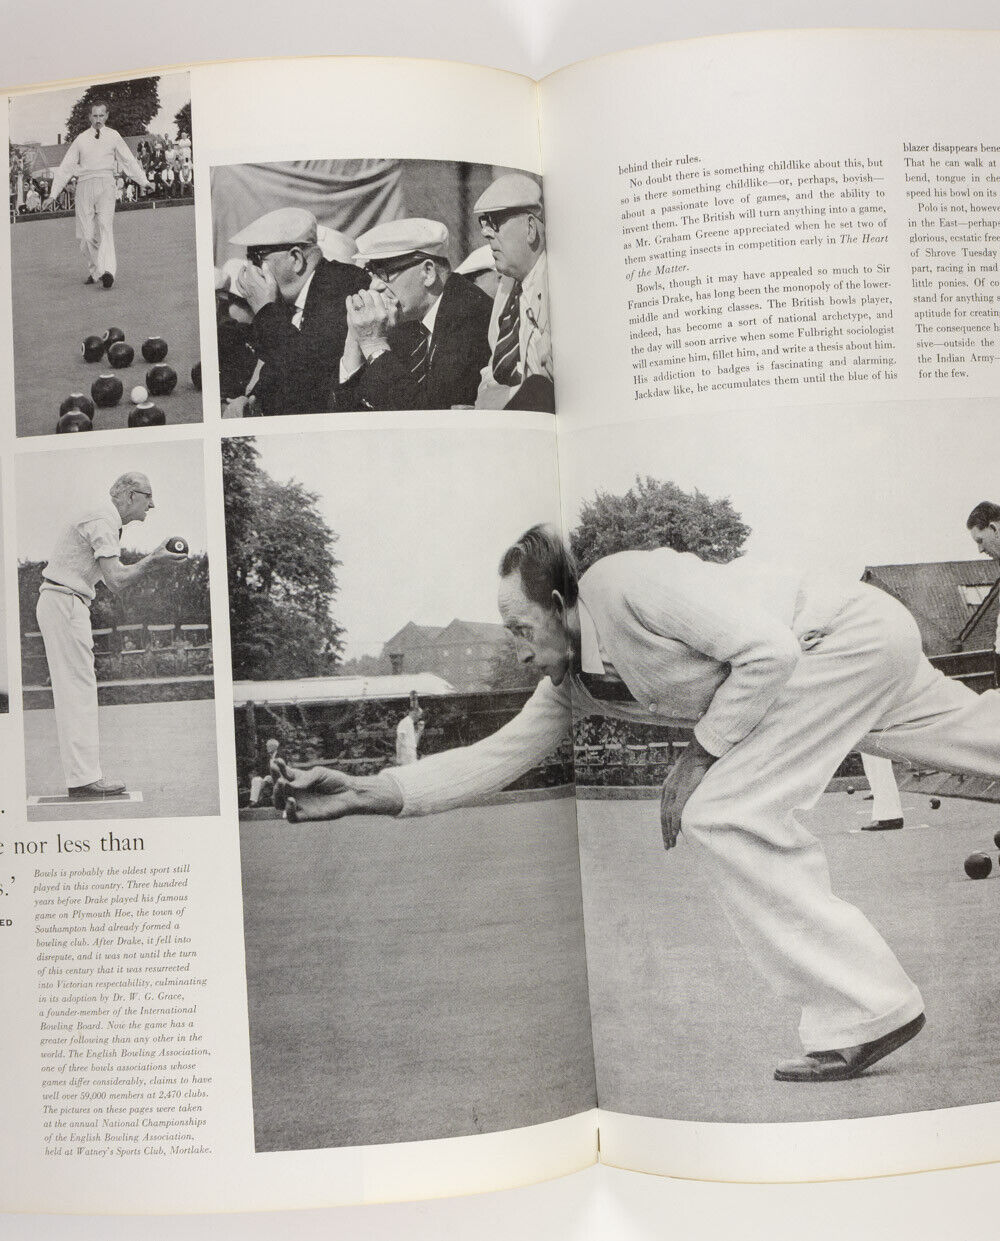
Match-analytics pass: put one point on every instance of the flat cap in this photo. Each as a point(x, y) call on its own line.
point(336, 245)
point(513, 189)
point(477, 262)
point(291, 226)
point(398, 237)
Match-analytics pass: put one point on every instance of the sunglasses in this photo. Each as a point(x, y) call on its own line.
point(257, 254)
point(494, 220)
point(386, 271)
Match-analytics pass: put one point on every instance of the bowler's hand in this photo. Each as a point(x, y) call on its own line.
point(321, 793)
point(258, 286)
point(163, 553)
point(685, 776)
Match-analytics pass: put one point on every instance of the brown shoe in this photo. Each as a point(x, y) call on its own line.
point(847, 1062)
point(99, 788)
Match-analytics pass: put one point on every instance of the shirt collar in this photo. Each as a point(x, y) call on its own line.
point(590, 643)
point(300, 301)
point(431, 315)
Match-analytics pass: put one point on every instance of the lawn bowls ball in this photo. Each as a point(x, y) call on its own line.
point(92, 349)
point(76, 400)
point(154, 349)
point(106, 390)
point(120, 355)
point(161, 380)
point(73, 420)
point(147, 415)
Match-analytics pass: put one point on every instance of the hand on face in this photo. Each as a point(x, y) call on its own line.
point(258, 286)
point(370, 315)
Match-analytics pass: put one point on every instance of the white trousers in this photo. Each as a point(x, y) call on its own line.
point(64, 622)
point(866, 682)
point(95, 223)
point(885, 792)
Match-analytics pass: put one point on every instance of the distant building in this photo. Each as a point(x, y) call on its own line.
point(461, 652)
point(943, 598)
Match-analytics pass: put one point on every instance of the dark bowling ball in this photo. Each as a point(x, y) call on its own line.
point(996, 839)
point(154, 348)
point(978, 865)
point(106, 390)
point(147, 415)
point(92, 348)
point(935, 803)
point(177, 545)
point(196, 375)
point(74, 420)
point(850, 790)
point(76, 400)
point(112, 336)
point(120, 354)
point(161, 380)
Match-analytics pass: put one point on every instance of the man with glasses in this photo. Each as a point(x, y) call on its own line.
point(519, 373)
point(419, 338)
point(93, 158)
point(88, 551)
point(297, 299)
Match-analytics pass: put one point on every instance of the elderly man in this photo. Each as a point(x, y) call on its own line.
point(519, 373)
point(419, 339)
point(983, 523)
point(297, 300)
point(93, 158)
point(88, 551)
point(779, 675)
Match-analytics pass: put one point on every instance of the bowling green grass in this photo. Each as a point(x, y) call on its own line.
point(154, 295)
point(683, 1028)
point(416, 978)
point(164, 750)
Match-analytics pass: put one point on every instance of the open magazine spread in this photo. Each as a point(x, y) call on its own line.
point(510, 678)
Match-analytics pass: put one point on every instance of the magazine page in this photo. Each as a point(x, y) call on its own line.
point(317, 410)
point(777, 438)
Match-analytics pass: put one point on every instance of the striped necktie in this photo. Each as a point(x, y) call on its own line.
point(507, 354)
point(418, 356)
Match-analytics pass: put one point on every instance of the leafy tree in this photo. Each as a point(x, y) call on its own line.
point(658, 514)
point(182, 119)
point(131, 106)
point(282, 573)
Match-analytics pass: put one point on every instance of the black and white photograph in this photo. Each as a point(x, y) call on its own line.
point(380, 284)
point(754, 643)
point(791, 916)
point(116, 634)
point(408, 979)
point(103, 257)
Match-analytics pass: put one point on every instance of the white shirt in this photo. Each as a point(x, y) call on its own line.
point(534, 335)
point(406, 742)
point(300, 302)
point(96, 155)
point(74, 559)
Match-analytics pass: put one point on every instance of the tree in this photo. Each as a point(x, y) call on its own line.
point(282, 573)
point(131, 106)
point(658, 514)
point(182, 119)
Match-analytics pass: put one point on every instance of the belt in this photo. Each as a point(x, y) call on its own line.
point(48, 584)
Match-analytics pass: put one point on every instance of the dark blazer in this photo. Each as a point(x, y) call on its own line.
point(459, 349)
point(301, 364)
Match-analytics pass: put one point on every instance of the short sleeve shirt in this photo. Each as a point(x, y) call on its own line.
point(79, 547)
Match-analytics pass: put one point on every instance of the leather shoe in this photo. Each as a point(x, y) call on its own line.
point(99, 788)
point(847, 1062)
point(883, 825)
